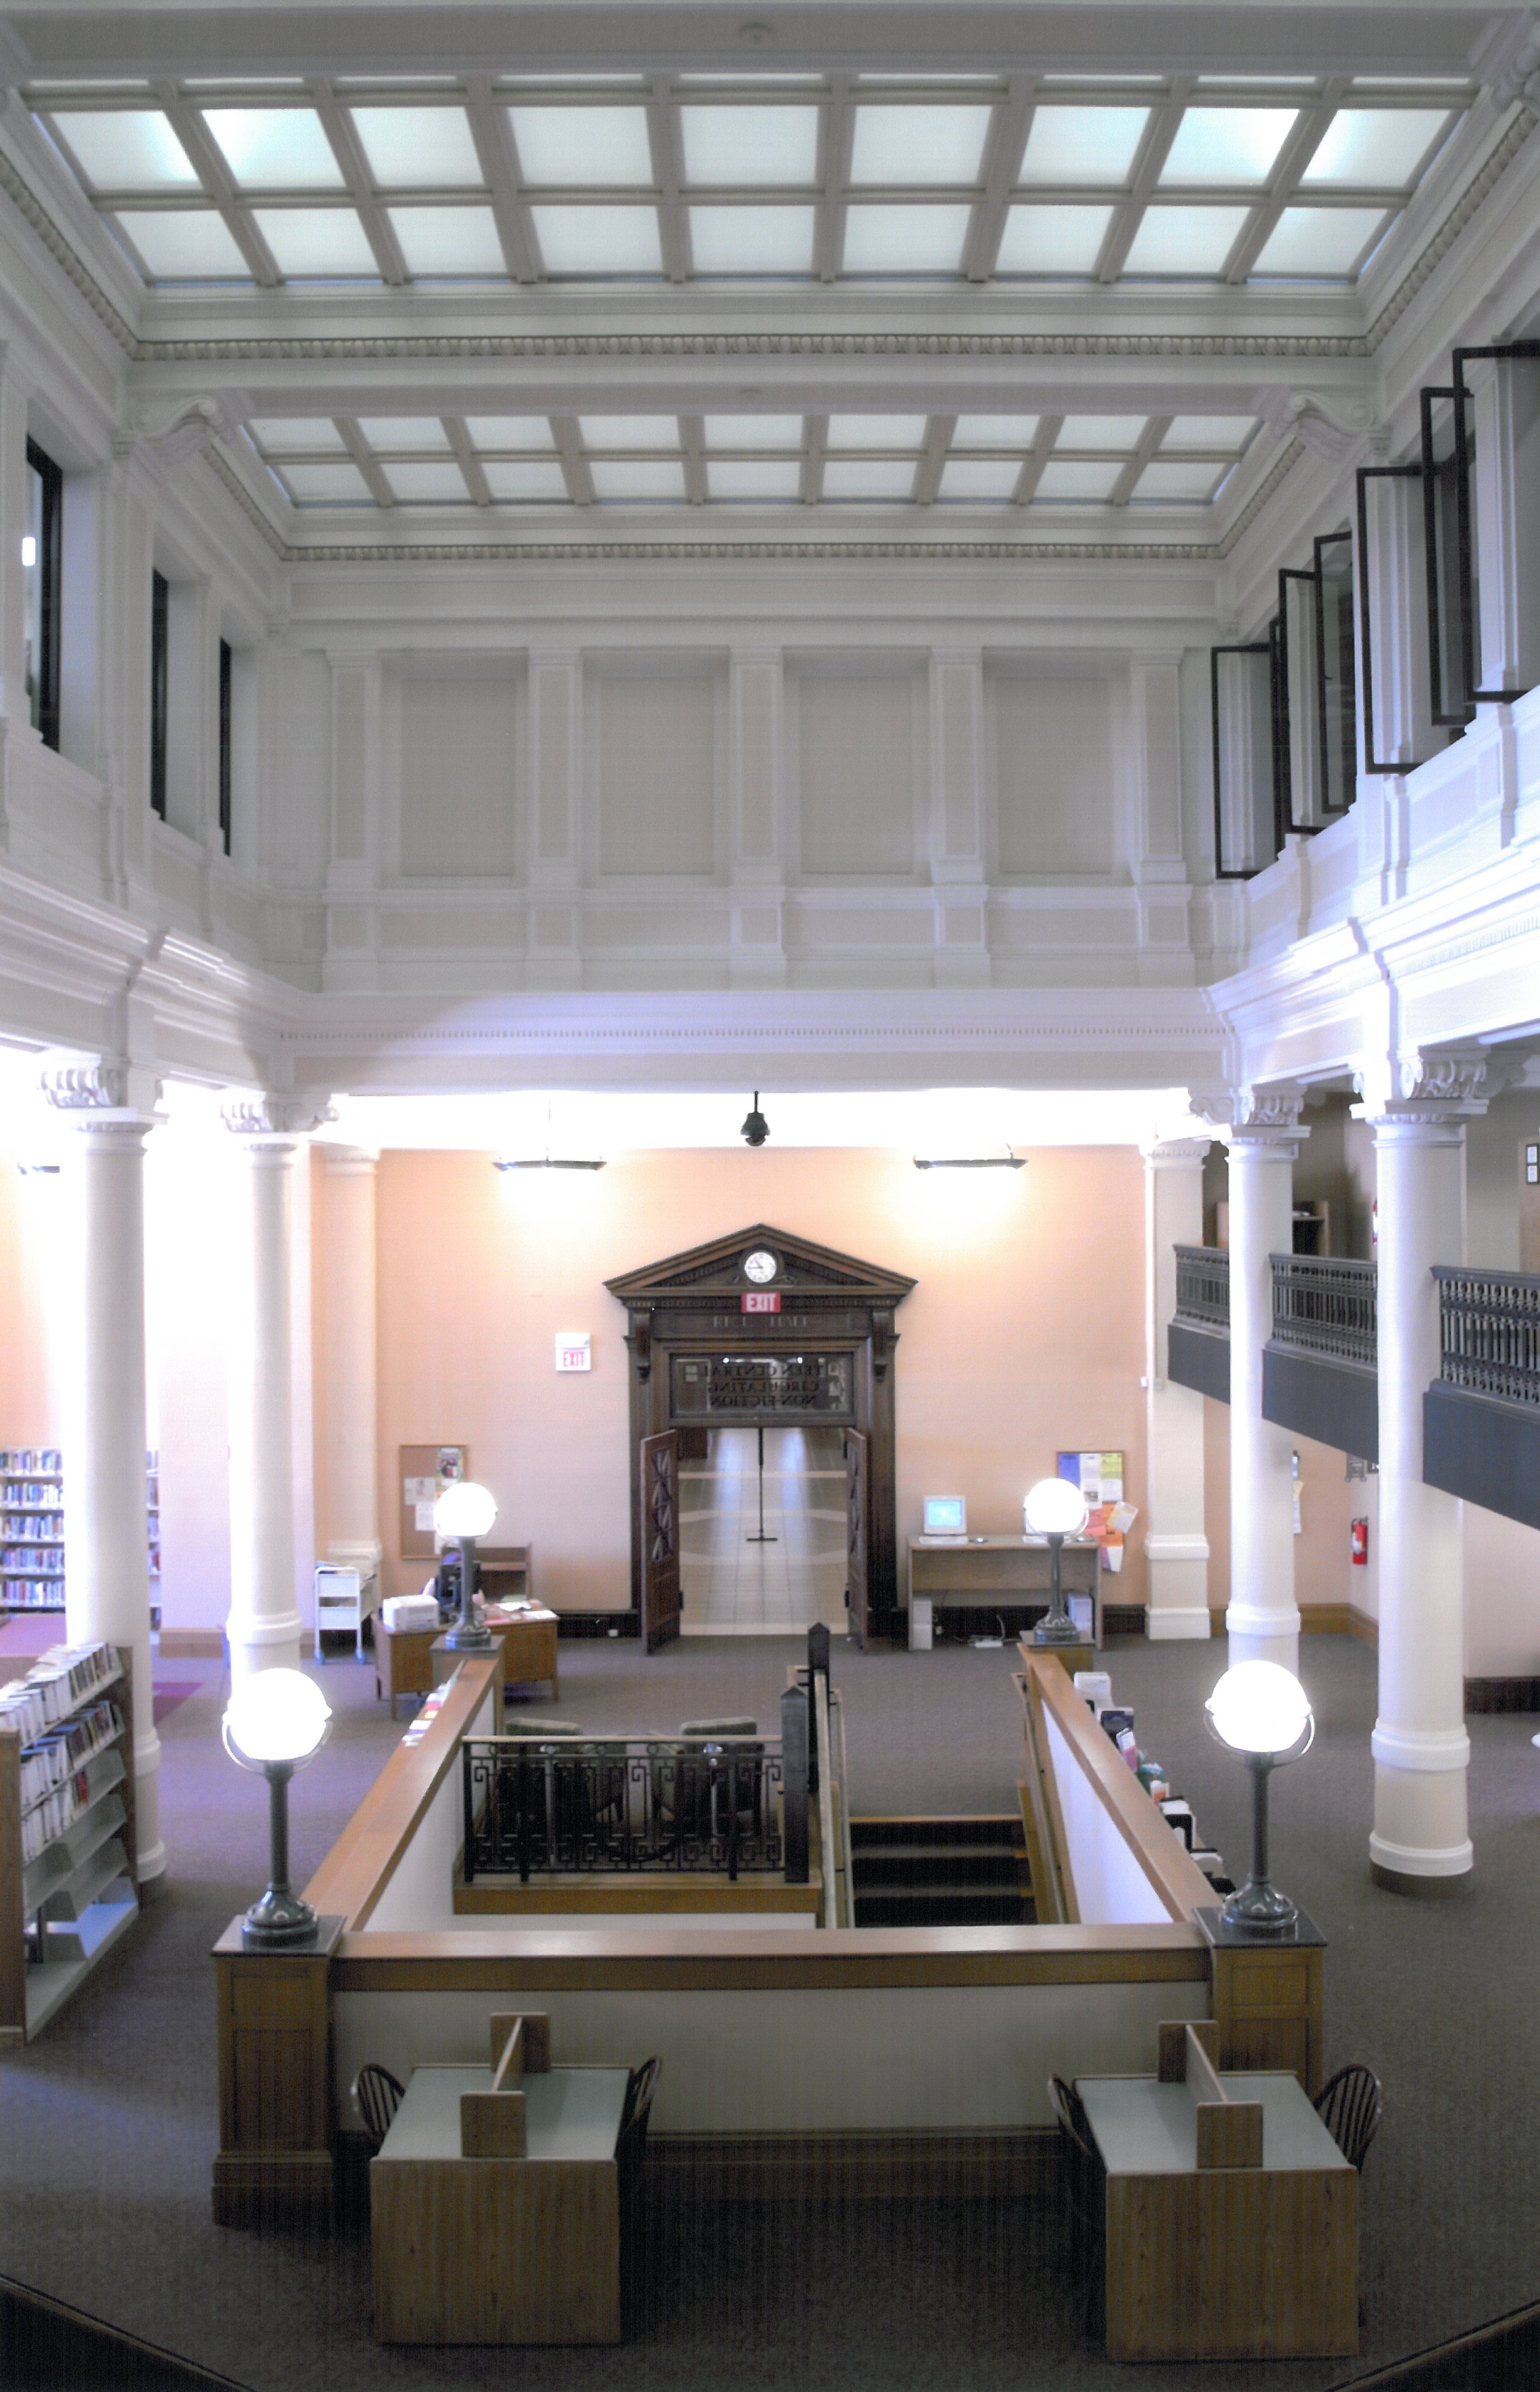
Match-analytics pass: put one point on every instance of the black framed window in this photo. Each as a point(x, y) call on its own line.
point(1336, 683)
point(1451, 639)
point(41, 551)
point(1373, 761)
point(160, 658)
point(1243, 709)
point(227, 669)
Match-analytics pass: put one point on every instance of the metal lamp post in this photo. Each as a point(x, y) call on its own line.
point(275, 1722)
point(1054, 1508)
point(1261, 1713)
point(463, 1512)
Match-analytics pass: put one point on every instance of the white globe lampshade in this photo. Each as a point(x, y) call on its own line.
point(1055, 1507)
point(464, 1510)
point(276, 1715)
point(1258, 1707)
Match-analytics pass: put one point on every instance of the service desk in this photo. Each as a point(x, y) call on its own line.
point(499, 2250)
point(1223, 2262)
point(525, 1635)
point(993, 1574)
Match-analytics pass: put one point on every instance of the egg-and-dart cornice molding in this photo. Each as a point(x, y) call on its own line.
point(753, 551)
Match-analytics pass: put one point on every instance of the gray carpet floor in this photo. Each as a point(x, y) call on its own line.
point(108, 2122)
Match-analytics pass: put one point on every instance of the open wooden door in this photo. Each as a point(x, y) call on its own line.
point(660, 1538)
point(857, 1459)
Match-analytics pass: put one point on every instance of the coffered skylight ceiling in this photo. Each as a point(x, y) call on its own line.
point(614, 459)
point(790, 178)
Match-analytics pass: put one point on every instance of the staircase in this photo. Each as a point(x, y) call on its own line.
point(940, 1872)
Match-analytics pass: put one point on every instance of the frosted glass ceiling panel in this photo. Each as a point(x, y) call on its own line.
point(187, 246)
point(1102, 432)
point(599, 241)
point(317, 240)
point(979, 477)
point(763, 146)
point(1082, 145)
point(875, 430)
point(576, 148)
point(867, 477)
point(1230, 432)
point(274, 148)
point(128, 149)
point(752, 240)
point(1051, 240)
point(449, 240)
point(653, 477)
point(918, 145)
point(327, 485)
point(418, 148)
point(1374, 145)
point(1066, 481)
point(537, 479)
point(441, 482)
point(1227, 145)
point(898, 240)
point(1174, 481)
point(994, 432)
point(1185, 241)
point(753, 432)
point(403, 432)
point(281, 435)
point(1319, 241)
point(510, 431)
point(768, 479)
point(630, 431)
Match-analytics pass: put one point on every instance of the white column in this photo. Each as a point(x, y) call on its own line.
point(349, 1420)
point(1420, 1843)
point(1176, 1550)
point(264, 1626)
point(107, 1554)
point(1262, 1617)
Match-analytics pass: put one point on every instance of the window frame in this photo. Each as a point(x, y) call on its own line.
point(50, 569)
point(160, 659)
point(227, 685)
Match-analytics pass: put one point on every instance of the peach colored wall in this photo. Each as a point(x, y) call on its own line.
point(1322, 1573)
point(1024, 1334)
point(26, 1406)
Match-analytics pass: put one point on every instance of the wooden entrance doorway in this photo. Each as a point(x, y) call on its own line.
point(763, 1329)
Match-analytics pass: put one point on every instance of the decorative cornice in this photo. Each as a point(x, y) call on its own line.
point(1434, 251)
point(259, 1119)
point(368, 347)
point(66, 257)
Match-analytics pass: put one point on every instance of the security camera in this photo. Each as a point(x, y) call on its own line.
point(755, 1128)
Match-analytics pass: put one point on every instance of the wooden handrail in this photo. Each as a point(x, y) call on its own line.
point(1161, 1856)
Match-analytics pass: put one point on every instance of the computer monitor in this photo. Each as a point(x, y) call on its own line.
point(946, 1516)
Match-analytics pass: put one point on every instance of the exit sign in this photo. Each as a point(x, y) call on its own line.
point(573, 1350)
point(762, 1299)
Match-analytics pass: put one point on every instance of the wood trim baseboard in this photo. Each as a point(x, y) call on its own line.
point(1502, 1694)
point(1011, 2163)
point(192, 1645)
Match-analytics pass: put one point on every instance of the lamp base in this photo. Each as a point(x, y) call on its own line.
point(1260, 1909)
point(1060, 1631)
point(279, 1922)
point(469, 1640)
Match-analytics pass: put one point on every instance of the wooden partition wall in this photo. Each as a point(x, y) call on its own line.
point(896, 2062)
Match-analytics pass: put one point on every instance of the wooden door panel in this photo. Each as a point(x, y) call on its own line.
point(857, 1473)
point(660, 1537)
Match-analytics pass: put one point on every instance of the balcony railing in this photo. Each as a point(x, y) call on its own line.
point(1203, 1287)
point(631, 1805)
point(1490, 1323)
point(1325, 1308)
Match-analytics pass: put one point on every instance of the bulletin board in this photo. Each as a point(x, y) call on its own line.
point(1099, 1477)
point(422, 1473)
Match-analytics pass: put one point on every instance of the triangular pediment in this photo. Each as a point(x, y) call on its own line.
point(718, 1269)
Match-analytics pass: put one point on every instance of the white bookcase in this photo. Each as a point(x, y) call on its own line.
point(67, 1848)
point(32, 1528)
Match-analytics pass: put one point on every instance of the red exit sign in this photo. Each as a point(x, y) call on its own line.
point(760, 1300)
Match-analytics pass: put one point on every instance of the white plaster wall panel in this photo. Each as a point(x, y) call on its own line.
point(662, 925)
point(754, 743)
point(656, 751)
point(818, 927)
point(79, 654)
point(176, 876)
point(350, 763)
point(957, 700)
point(459, 765)
point(858, 776)
point(1156, 761)
point(1053, 791)
point(57, 815)
point(297, 832)
point(425, 925)
point(554, 683)
point(239, 913)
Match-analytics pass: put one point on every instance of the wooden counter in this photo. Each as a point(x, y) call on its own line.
point(403, 1656)
point(1001, 1573)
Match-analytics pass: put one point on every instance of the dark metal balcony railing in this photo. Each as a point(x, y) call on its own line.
point(1203, 1286)
point(1327, 1308)
point(628, 1806)
point(1490, 1323)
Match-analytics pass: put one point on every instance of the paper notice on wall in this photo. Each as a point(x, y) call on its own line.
point(422, 1515)
point(1099, 1477)
point(419, 1490)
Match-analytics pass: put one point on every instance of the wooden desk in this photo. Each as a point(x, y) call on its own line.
point(403, 1656)
point(501, 2250)
point(1223, 2262)
point(1001, 1573)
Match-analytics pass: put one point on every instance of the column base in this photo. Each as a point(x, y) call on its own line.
point(1171, 1625)
point(266, 1643)
point(1257, 1635)
point(1423, 1889)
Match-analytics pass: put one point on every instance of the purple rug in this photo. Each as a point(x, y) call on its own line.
point(169, 1692)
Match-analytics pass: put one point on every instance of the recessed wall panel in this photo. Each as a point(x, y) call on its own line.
point(1052, 746)
point(656, 773)
point(856, 772)
point(459, 772)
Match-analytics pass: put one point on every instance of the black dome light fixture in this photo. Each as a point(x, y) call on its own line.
point(755, 1129)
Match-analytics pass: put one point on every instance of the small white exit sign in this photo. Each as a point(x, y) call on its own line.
point(574, 1349)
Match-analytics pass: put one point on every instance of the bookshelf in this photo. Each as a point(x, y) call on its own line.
point(32, 1529)
point(66, 1849)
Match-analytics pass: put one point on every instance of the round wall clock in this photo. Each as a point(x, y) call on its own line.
point(760, 1267)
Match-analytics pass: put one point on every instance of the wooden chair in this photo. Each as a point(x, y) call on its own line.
point(1085, 2182)
point(1350, 2107)
point(630, 2152)
point(378, 2094)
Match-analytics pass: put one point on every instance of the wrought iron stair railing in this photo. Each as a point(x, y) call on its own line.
point(1203, 1287)
point(1326, 1306)
point(1490, 1332)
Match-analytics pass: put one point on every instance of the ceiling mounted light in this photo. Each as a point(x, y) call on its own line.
point(755, 1129)
point(1007, 1162)
point(547, 1162)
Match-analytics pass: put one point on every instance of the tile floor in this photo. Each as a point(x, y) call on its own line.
point(733, 1587)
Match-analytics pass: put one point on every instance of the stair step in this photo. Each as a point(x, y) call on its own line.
point(870, 1834)
point(934, 1908)
point(940, 1864)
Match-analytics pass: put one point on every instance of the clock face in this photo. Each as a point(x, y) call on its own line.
point(760, 1267)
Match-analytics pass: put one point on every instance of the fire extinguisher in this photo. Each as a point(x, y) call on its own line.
point(1359, 1543)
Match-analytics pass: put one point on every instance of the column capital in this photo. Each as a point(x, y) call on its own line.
point(111, 1101)
point(348, 1161)
point(1169, 1153)
point(270, 1121)
point(1431, 1087)
point(1253, 1116)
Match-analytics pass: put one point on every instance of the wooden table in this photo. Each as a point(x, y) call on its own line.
point(1223, 2262)
point(1001, 1573)
point(402, 1657)
point(501, 2250)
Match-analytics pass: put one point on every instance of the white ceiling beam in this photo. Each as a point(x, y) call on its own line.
point(458, 435)
point(1013, 122)
point(1149, 441)
point(1049, 428)
point(363, 457)
point(1153, 149)
point(209, 162)
point(837, 132)
point(489, 131)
